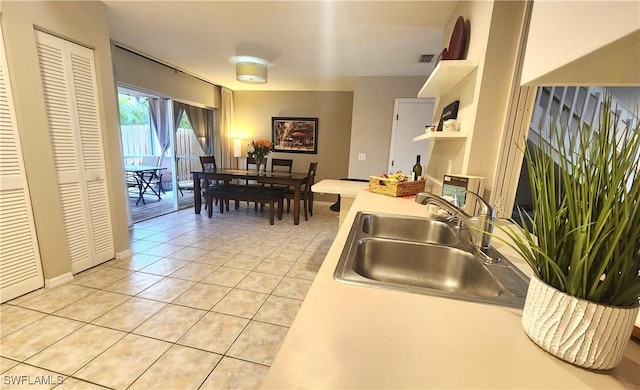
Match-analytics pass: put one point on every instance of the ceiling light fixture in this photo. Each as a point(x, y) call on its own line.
point(251, 72)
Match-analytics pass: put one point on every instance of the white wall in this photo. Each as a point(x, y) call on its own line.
point(372, 120)
point(583, 43)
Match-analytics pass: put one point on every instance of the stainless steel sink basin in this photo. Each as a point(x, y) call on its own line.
point(411, 229)
point(424, 265)
point(423, 256)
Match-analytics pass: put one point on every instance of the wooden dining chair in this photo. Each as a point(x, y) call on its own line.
point(209, 162)
point(306, 195)
point(251, 164)
point(281, 165)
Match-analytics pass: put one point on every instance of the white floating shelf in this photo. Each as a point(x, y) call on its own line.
point(441, 135)
point(445, 76)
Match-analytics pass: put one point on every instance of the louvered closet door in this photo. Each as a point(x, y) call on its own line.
point(68, 78)
point(20, 268)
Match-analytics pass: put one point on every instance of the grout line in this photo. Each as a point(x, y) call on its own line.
point(322, 232)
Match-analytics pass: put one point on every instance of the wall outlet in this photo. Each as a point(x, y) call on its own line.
point(362, 156)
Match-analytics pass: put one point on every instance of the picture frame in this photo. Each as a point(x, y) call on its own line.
point(294, 135)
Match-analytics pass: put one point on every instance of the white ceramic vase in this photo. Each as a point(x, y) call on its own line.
point(580, 332)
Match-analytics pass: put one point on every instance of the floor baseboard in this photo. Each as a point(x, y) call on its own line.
point(124, 254)
point(58, 280)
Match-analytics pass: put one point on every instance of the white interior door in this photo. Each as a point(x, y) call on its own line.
point(68, 78)
point(20, 266)
point(410, 117)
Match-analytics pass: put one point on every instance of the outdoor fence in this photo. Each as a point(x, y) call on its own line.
point(139, 141)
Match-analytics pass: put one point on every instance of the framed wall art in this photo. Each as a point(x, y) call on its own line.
point(294, 135)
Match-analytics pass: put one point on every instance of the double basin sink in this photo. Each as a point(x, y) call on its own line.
point(425, 256)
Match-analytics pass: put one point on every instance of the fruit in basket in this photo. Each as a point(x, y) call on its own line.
point(398, 176)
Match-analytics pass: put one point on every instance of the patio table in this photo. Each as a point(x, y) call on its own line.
point(145, 174)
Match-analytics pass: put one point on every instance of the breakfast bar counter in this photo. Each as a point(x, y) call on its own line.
point(347, 336)
point(345, 188)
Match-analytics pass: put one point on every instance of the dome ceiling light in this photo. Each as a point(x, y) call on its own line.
point(251, 72)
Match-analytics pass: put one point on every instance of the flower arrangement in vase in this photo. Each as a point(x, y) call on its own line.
point(259, 150)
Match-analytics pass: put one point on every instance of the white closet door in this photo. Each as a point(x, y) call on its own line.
point(85, 96)
point(68, 78)
point(20, 268)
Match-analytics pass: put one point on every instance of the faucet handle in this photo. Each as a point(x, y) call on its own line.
point(485, 217)
point(486, 209)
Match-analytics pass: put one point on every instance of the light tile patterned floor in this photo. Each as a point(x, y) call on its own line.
point(202, 303)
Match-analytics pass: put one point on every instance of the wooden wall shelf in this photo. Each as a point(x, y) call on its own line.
point(446, 75)
point(441, 135)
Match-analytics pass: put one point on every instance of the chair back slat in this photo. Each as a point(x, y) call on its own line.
point(208, 162)
point(252, 161)
point(281, 162)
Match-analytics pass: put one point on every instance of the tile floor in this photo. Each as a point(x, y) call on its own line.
point(202, 304)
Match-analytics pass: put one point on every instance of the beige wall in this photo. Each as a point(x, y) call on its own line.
point(136, 71)
point(373, 102)
point(583, 43)
point(254, 109)
point(84, 23)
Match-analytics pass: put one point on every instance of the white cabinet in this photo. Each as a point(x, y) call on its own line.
point(20, 267)
point(70, 89)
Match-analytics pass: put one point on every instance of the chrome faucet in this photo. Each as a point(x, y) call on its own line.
point(482, 222)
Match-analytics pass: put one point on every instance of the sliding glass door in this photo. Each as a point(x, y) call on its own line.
point(169, 135)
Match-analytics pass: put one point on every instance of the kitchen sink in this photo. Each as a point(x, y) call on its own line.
point(423, 256)
point(424, 265)
point(412, 229)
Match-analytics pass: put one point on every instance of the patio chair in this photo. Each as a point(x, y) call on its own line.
point(166, 176)
point(153, 161)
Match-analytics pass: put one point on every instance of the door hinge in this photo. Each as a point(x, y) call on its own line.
point(397, 116)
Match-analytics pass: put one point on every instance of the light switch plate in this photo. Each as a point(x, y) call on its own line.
point(362, 156)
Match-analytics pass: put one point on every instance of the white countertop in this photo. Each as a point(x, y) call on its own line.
point(348, 336)
point(342, 187)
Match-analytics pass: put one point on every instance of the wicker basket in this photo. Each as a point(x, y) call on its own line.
point(388, 187)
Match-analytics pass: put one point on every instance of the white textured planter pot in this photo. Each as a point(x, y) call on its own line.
point(580, 332)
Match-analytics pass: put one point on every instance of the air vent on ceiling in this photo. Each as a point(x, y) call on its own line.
point(426, 58)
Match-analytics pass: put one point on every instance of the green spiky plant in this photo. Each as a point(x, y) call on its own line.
point(586, 222)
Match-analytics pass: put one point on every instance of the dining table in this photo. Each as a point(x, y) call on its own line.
point(145, 175)
point(226, 175)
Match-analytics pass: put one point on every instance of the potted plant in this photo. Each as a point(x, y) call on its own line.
point(584, 247)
